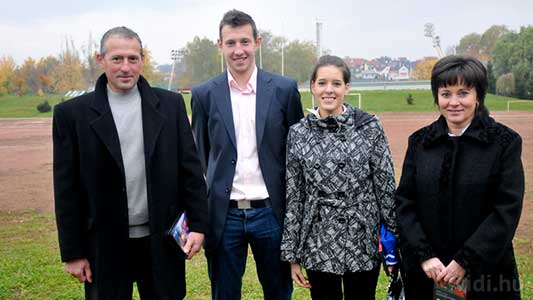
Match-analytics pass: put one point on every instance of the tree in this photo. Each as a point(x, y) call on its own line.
point(148, 71)
point(8, 69)
point(69, 73)
point(489, 39)
point(45, 70)
point(423, 68)
point(91, 70)
point(469, 45)
point(202, 61)
point(513, 53)
point(300, 57)
point(270, 51)
point(491, 78)
point(28, 73)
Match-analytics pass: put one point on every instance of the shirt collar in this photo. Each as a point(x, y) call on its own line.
point(460, 133)
point(251, 85)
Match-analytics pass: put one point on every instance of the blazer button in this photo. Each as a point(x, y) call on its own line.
point(341, 220)
point(342, 138)
point(233, 161)
point(227, 190)
point(341, 165)
point(317, 166)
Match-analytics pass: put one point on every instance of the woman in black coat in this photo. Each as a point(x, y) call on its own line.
point(461, 191)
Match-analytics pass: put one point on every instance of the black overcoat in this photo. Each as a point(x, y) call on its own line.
point(90, 190)
point(460, 198)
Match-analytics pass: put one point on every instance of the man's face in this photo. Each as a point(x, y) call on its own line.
point(122, 63)
point(238, 46)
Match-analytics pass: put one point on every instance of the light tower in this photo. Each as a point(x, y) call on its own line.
point(430, 32)
point(318, 38)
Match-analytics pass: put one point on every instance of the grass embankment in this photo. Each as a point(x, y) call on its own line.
point(30, 266)
point(372, 101)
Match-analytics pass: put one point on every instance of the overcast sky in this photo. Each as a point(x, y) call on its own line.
point(353, 28)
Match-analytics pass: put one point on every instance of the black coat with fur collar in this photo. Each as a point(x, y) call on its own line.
point(460, 198)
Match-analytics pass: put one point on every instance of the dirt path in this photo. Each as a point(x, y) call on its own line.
point(26, 160)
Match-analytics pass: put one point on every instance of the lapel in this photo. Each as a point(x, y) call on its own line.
point(223, 101)
point(153, 119)
point(103, 124)
point(263, 100)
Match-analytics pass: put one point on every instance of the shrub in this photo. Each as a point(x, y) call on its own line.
point(44, 107)
point(410, 100)
point(506, 85)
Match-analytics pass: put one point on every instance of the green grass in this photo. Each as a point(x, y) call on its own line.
point(30, 267)
point(26, 106)
point(372, 101)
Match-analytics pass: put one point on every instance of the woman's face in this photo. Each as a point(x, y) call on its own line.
point(329, 89)
point(457, 104)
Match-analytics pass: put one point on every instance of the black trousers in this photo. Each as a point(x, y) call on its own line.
point(357, 285)
point(139, 269)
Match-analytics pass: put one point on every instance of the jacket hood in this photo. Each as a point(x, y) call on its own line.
point(350, 117)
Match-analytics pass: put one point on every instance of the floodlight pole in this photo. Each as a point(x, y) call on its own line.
point(174, 57)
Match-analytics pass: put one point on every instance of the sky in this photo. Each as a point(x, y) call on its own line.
point(354, 28)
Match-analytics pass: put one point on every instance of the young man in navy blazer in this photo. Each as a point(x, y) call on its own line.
point(240, 119)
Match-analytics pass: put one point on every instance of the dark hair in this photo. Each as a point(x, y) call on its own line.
point(121, 32)
point(236, 18)
point(330, 60)
point(453, 70)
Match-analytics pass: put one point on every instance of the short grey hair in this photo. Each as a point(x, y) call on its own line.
point(121, 32)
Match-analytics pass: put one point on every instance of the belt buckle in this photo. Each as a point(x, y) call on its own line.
point(244, 204)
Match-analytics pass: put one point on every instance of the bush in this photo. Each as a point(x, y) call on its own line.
point(44, 107)
point(506, 85)
point(410, 100)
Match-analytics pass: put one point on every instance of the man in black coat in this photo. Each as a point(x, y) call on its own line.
point(125, 166)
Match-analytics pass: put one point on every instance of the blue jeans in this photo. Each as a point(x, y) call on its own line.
point(259, 228)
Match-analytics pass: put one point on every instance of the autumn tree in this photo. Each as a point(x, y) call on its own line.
point(8, 69)
point(45, 70)
point(469, 45)
point(489, 39)
point(423, 68)
point(28, 73)
point(69, 73)
point(91, 69)
point(148, 71)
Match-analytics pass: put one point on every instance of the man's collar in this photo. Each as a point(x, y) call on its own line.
point(250, 85)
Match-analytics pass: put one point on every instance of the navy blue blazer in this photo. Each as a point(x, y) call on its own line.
point(278, 106)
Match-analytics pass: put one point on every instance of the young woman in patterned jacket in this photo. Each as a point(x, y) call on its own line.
point(340, 188)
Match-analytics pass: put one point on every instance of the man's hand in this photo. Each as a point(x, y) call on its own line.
point(194, 244)
point(298, 277)
point(432, 267)
point(80, 269)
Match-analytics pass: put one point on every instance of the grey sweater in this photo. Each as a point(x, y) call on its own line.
point(127, 113)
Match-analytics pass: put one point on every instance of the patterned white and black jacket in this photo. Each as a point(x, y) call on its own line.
point(340, 188)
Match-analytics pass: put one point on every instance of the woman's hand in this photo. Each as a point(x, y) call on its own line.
point(433, 267)
point(298, 277)
point(452, 274)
